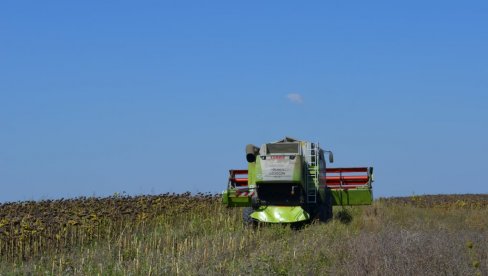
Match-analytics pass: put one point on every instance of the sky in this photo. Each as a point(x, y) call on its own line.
point(148, 97)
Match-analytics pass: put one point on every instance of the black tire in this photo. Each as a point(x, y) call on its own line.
point(325, 208)
point(246, 216)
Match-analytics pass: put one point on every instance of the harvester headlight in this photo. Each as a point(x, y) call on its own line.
point(292, 157)
point(263, 157)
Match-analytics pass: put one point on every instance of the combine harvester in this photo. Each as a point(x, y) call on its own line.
point(288, 182)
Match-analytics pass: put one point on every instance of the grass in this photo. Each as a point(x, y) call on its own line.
point(196, 235)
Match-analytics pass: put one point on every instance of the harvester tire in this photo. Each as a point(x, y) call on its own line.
point(246, 216)
point(325, 208)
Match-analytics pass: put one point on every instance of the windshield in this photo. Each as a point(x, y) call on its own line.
point(282, 148)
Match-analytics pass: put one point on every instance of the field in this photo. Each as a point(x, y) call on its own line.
point(194, 234)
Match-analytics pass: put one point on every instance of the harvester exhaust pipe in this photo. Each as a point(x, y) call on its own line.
point(251, 152)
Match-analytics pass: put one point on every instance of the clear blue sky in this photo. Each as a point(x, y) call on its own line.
point(98, 97)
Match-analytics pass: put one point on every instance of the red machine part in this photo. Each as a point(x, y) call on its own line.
point(348, 178)
point(235, 181)
point(336, 178)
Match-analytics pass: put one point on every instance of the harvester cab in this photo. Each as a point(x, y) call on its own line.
point(288, 181)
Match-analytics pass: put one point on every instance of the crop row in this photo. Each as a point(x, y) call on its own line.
point(27, 229)
point(472, 201)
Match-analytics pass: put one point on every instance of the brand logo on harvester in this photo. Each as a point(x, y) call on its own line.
point(279, 157)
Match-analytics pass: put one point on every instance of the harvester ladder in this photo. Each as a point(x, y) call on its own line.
point(312, 172)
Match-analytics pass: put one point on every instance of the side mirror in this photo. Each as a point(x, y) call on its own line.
point(331, 157)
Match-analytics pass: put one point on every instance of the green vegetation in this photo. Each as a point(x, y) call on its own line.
point(184, 234)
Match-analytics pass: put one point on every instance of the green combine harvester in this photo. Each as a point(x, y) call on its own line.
point(288, 181)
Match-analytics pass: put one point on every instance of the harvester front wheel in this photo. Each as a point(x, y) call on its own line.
point(246, 216)
point(325, 208)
